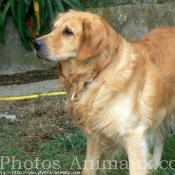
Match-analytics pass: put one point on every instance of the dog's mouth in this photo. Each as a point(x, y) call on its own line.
point(44, 57)
point(48, 57)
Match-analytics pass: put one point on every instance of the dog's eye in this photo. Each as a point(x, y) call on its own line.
point(67, 32)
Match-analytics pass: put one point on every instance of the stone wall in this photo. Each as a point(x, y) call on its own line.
point(14, 57)
point(131, 22)
point(107, 3)
point(135, 21)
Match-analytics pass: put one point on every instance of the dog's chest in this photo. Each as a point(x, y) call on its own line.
point(119, 114)
point(108, 114)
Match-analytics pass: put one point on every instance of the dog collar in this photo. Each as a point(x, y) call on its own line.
point(73, 95)
point(89, 81)
point(94, 77)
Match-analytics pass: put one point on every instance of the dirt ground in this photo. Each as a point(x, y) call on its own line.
point(37, 120)
point(28, 77)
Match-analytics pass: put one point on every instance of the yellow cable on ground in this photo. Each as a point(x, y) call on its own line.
point(31, 96)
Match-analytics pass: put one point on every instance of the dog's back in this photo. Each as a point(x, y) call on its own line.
point(157, 48)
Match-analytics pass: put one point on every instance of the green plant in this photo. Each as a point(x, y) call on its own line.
point(31, 15)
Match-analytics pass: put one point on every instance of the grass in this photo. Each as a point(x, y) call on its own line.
point(43, 138)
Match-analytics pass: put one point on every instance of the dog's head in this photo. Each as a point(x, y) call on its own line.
point(80, 35)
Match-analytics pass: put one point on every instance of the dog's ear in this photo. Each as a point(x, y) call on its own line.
point(94, 39)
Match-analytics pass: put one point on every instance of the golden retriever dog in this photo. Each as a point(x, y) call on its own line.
point(120, 93)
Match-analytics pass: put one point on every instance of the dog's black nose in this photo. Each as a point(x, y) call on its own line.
point(38, 44)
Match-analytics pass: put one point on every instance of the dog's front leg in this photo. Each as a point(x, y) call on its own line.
point(137, 149)
point(158, 148)
point(93, 154)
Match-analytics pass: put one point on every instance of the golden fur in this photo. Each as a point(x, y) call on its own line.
point(131, 96)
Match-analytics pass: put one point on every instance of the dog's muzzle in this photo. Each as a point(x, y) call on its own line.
point(38, 44)
point(41, 49)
